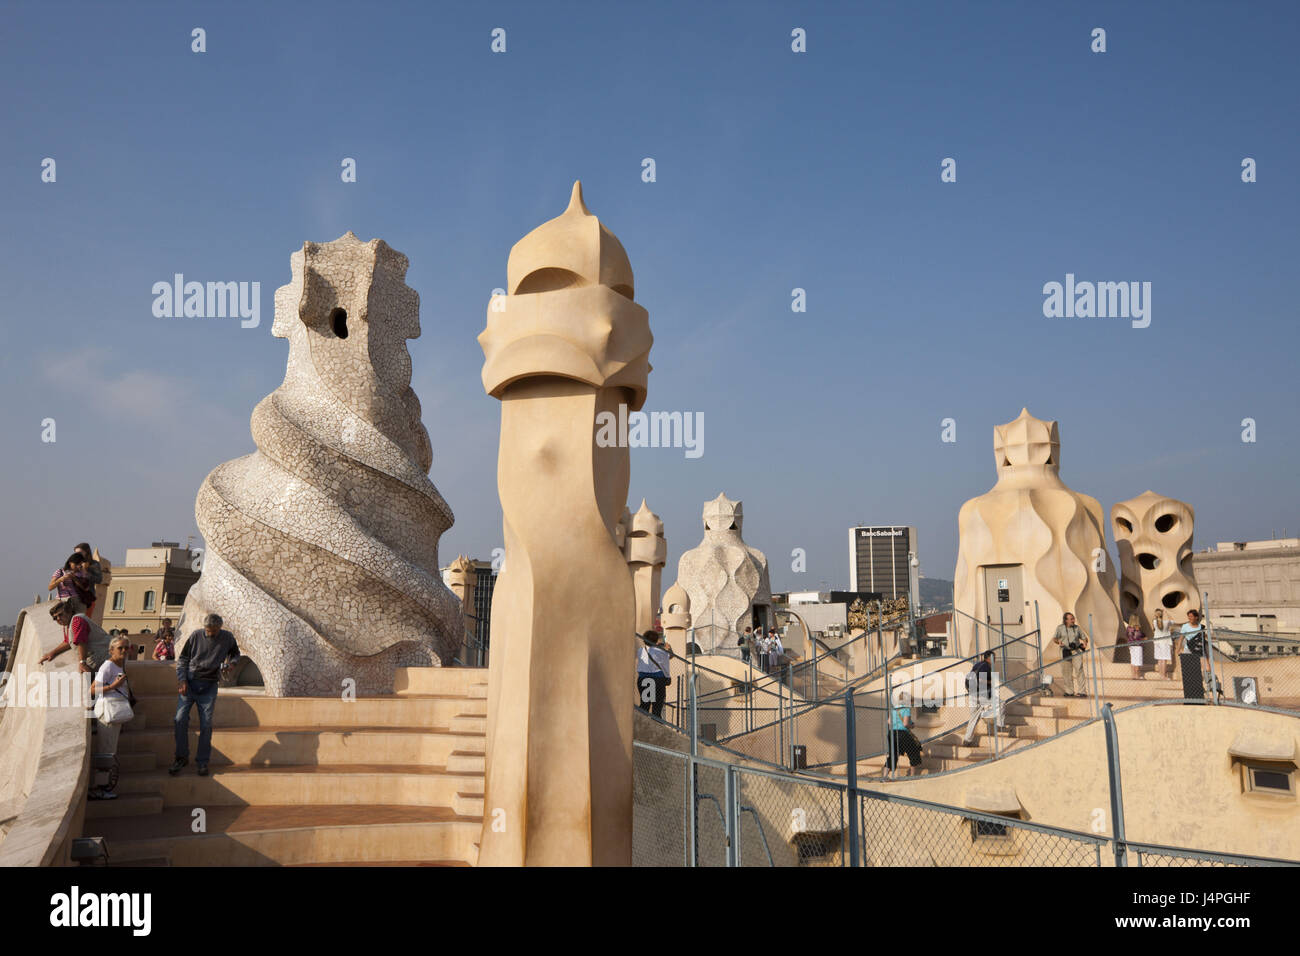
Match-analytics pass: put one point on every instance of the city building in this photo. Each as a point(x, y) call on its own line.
point(149, 586)
point(826, 613)
point(879, 559)
point(473, 581)
point(1253, 586)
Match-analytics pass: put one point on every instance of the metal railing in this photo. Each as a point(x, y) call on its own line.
point(696, 810)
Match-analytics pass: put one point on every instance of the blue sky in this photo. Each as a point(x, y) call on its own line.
point(775, 170)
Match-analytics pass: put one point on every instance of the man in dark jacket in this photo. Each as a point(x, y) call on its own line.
point(197, 672)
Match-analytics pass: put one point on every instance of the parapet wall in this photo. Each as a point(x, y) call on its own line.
point(44, 751)
point(1181, 786)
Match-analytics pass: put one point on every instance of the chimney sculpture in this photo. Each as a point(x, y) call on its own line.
point(1154, 536)
point(322, 545)
point(1031, 538)
point(647, 553)
point(564, 345)
point(677, 619)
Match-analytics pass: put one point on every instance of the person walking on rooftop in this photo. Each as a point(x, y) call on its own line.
point(1162, 643)
point(652, 674)
point(1195, 641)
point(1073, 642)
point(777, 651)
point(986, 703)
point(113, 711)
point(197, 671)
point(901, 738)
point(746, 640)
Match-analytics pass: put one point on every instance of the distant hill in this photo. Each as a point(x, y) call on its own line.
point(936, 593)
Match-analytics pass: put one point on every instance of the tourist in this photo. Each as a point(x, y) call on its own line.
point(111, 685)
point(760, 649)
point(1192, 640)
point(208, 649)
point(652, 678)
point(71, 614)
point(73, 581)
point(777, 650)
point(745, 641)
point(1133, 634)
point(901, 738)
point(1069, 637)
point(164, 648)
point(986, 702)
point(1162, 643)
point(94, 571)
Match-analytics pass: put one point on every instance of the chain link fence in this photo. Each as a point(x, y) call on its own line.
point(898, 831)
point(1145, 854)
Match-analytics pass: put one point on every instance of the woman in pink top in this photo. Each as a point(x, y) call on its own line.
point(1133, 634)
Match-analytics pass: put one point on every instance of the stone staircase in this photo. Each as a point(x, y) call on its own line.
point(1031, 718)
point(303, 781)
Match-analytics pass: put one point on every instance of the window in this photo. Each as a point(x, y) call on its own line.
point(119, 600)
point(986, 828)
point(1275, 778)
point(148, 600)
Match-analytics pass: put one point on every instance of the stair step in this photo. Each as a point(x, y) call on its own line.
point(136, 762)
point(259, 746)
point(468, 723)
point(291, 835)
point(152, 677)
point(126, 805)
point(461, 761)
point(244, 707)
point(438, 680)
point(469, 804)
point(307, 785)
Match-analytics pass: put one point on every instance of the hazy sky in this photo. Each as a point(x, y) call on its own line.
point(775, 170)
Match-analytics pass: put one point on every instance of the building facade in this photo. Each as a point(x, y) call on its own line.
point(879, 559)
point(149, 586)
point(473, 581)
point(1253, 586)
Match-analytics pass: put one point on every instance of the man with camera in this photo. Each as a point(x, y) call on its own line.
point(1073, 642)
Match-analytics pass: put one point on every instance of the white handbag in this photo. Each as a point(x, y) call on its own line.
point(113, 708)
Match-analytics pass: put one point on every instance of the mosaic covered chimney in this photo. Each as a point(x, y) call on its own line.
point(726, 580)
point(322, 545)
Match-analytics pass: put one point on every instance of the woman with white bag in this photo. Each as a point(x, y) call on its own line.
point(112, 708)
